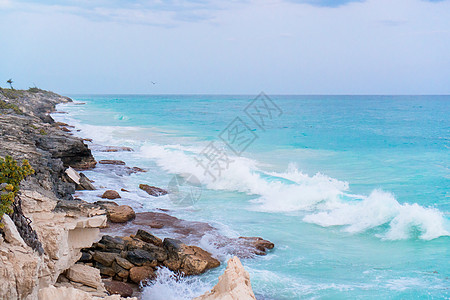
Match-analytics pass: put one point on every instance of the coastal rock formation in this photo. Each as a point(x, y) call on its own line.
point(110, 194)
point(48, 227)
point(80, 180)
point(192, 232)
point(117, 213)
point(136, 258)
point(153, 190)
point(234, 284)
point(111, 162)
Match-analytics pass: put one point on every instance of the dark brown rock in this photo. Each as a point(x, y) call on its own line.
point(140, 257)
point(105, 258)
point(111, 244)
point(139, 274)
point(105, 271)
point(121, 272)
point(110, 194)
point(153, 190)
point(191, 260)
point(124, 263)
point(148, 237)
point(118, 288)
point(120, 214)
point(111, 162)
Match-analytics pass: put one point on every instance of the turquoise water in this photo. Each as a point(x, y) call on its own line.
point(353, 190)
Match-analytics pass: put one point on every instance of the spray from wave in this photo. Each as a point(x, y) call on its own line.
point(322, 198)
point(169, 285)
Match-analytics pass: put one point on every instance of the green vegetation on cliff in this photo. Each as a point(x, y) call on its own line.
point(11, 174)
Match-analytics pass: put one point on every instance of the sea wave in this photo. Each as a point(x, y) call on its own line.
point(324, 200)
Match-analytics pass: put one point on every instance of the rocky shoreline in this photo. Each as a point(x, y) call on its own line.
point(55, 246)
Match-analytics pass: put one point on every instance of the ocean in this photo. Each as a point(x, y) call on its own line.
point(353, 190)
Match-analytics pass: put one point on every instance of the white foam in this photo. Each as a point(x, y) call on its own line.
point(168, 285)
point(293, 190)
point(381, 208)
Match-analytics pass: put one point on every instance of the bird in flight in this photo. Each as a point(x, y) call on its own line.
point(153, 82)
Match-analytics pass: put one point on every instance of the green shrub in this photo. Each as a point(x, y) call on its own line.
point(36, 90)
point(11, 175)
point(15, 108)
point(12, 94)
point(42, 132)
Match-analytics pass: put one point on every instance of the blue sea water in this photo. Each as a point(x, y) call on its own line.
point(353, 190)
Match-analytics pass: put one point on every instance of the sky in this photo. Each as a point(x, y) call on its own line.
point(227, 47)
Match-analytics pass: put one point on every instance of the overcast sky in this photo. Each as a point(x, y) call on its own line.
point(227, 47)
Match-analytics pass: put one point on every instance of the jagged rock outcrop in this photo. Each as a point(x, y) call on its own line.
point(48, 227)
point(136, 258)
point(234, 284)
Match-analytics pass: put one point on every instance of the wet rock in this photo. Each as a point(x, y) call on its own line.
point(258, 243)
point(104, 270)
point(148, 237)
point(105, 258)
point(111, 162)
point(192, 259)
point(110, 194)
point(85, 183)
point(139, 274)
point(137, 169)
point(118, 288)
point(124, 263)
point(158, 252)
point(120, 214)
point(116, 149)
point(112, 244)
point(140, 257)
point(80, 180)
point(124, 190)
point(121, 272)
point(85, 257)
point(106, 204)
point(153, 190)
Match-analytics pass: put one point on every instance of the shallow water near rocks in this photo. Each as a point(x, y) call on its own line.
point(353, 190)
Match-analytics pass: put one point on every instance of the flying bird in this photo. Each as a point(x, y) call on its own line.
point(153, 82)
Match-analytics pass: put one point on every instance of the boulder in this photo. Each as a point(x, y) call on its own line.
point(124, 263)
point(111, 244)
point(110, 194)
point(10, 230)
point(121, 272)
point(190, 260)
point(111, 162)
point(139, 274)
point(105, 258)
point(148, 237)
point(85, 183)
point(119, 288)
point(234, 284)
point(120, 214)
point(84, 274)
point(258, 243)
point(153, 190)
point(140, 257)
point(116, 149)
point(104, 270)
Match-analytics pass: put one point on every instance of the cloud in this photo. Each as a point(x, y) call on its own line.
point(149, 12)
point(326, 3)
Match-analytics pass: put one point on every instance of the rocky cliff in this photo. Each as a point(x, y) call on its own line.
point(42, 238)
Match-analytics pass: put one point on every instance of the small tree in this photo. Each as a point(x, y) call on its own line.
point(10, 82)
point(11, 175)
